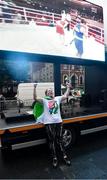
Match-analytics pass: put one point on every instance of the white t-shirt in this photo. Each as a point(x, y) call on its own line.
point(52, 110)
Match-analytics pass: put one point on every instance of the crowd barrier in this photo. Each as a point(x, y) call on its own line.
point(23, 15)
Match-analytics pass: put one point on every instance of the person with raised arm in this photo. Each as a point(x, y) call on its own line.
point(54, 123)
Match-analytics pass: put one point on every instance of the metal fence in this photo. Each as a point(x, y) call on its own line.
point(23, 15)
point(16, 106)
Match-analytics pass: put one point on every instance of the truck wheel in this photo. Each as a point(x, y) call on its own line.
point(69, 137)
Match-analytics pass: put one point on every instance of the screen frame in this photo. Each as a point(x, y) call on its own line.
point(13, 55)
point(9, 54)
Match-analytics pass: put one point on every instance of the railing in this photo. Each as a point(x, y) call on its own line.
point(12, 108)
point(22, 15)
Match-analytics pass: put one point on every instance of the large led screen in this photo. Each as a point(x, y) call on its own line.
point(67, 28)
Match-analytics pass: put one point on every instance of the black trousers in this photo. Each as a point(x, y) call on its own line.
point(55, 138)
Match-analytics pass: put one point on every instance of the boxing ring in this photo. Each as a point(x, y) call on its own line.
point(30, 30)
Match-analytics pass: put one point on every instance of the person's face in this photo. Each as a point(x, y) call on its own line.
point(78, 20)
point(50, 93)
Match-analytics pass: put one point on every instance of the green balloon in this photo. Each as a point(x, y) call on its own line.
point(38, 109)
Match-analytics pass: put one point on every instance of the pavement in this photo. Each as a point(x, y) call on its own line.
point(88, 157)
